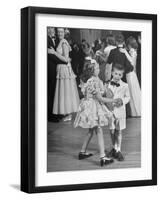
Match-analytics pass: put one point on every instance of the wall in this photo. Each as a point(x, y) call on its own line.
point(10, 99)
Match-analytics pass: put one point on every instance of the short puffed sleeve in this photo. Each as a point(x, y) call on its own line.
point(65, 42)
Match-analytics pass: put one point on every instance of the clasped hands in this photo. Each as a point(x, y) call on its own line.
point(115, 102)
point(51, 50)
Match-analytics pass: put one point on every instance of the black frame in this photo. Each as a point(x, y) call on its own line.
point(28, 98)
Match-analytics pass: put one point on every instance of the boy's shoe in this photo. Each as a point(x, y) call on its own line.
point(83, 155)
point(112, 153)
point(119, 156)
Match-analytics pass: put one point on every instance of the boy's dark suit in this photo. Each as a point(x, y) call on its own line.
point(118, 57)
point(52, 63)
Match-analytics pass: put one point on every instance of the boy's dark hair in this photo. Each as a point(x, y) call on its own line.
point(118, 67)
point(119, 38)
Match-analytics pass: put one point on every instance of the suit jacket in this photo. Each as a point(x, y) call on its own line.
point(51, 57)
point(118, 57)
point(120, 92)
point(51, 69)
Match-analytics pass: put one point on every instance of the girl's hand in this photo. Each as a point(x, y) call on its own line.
point(97, 53)
point(123, 50)
point(69, 59)
point(98, 96)
point(51, 51)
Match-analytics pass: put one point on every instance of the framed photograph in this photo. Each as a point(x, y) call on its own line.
point(88, 99)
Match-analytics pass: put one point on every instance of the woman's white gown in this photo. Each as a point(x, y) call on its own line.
point(134, 87)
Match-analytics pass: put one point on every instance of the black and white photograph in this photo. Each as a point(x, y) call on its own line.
point(93, 99)
point(89, 109)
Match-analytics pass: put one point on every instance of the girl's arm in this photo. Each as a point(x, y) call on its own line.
point(133, 54)
point(104, 57)
point(130, 59)
point(65, 56)
point(126, 98)
point(103, 99)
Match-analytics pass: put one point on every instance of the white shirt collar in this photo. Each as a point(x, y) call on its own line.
point(119, 82)
point(120, 45)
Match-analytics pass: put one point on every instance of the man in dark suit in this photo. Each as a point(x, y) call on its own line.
point(116, 56)
point(52, 63)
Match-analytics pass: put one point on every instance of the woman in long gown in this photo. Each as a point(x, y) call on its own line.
point(66, 98)
point(101, 58)
point(132, 80)
point(111, 44)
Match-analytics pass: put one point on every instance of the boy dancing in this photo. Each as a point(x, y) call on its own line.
point(121, 97)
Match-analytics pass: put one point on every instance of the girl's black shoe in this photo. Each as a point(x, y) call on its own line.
point(83, 155)
point(105, 161)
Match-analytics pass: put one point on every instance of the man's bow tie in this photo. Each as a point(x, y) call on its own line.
point(114, 83)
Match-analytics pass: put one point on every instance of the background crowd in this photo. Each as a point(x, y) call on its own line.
point(67, 58)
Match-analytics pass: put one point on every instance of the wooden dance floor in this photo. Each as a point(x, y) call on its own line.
point(64, 144)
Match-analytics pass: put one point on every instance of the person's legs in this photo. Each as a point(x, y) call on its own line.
point(114, 143)
point(104, 160)
point(112, 133)
point(119, 140)
point(87, 140)
point(100, 142)
point(119, 155)
point(83, 154)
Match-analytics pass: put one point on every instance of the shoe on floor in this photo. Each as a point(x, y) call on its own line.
point(105, 161)
point(112, 153)
point(119, 156)
point(83, 155)
point(67, 118)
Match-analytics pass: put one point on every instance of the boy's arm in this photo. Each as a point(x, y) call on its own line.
point(126, 98)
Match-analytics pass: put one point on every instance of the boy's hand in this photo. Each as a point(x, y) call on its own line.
point(118, 102)
point(51, 50)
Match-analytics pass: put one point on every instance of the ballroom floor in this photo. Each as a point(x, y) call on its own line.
point(64, 144)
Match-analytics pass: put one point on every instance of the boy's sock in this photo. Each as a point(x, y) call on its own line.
point(115, 147)
point(118, 149)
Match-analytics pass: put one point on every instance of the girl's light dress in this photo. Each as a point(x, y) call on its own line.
point(66, 98)
point(91, 113)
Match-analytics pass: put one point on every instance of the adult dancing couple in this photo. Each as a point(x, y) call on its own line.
point(63, 98)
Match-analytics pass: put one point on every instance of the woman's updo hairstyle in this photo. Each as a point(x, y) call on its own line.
point(132, 42)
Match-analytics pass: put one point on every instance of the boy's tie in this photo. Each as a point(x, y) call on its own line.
point(114, 83)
